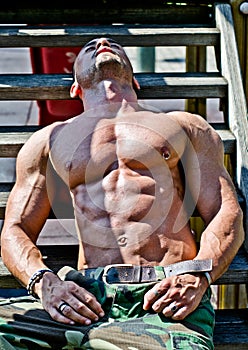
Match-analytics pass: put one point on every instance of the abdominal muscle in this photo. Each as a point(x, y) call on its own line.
point(128, 217)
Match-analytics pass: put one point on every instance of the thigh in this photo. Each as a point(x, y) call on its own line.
point(146, 333)
point(24, 325)
point(130, 327)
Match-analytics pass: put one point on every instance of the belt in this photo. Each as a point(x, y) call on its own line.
point(125, 273)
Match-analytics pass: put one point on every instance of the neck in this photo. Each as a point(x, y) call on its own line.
point(110, 93)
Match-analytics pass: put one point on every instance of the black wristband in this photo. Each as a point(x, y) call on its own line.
point(35, 278)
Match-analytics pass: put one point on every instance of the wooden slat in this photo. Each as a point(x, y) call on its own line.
point(108, 11)
point(153, 86)
point(12, 139)
point(57, 256)
point(4, 195)
point(237, 107)
point(6, 188)
point(238, 270)
point(229, 141)
point(63, 210)
point(127, 35)
point(231, 329)
point(241, 31)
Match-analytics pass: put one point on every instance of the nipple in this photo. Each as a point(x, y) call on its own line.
point(68, 166)
point(165, 153)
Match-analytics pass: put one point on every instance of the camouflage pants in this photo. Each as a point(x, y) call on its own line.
point(126, 326)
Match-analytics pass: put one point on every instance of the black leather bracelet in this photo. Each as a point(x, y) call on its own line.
point(35, 278)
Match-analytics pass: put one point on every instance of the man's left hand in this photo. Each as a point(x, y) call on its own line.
point(176, 296)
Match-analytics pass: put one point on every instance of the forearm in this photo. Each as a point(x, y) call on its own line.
point(221, 239)
point(19, 253)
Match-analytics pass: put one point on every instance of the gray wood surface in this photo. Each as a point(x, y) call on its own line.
point(12, 139)
point(127, 35)
point(231, 330)
point(59, 255)
point(237, 107)
point(108, 11)
point(153, 86)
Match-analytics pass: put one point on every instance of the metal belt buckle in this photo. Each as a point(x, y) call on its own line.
point(108, 267)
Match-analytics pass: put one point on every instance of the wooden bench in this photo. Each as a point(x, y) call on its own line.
point(196, 25)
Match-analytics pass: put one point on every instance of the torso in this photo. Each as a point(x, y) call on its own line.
point(126, 186)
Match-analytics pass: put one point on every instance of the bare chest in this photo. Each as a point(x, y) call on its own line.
point(87, 153)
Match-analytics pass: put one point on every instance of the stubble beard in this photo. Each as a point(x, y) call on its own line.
point(107, 67)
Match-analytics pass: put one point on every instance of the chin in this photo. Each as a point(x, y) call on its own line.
point(107, 58)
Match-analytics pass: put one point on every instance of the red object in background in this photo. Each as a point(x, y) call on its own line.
point(57, 61)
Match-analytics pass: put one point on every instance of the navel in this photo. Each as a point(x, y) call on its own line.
point(122, 241)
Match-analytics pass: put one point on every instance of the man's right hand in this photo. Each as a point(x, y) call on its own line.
point(79, 305)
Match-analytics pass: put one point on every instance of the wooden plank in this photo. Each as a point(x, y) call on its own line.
point(196, 61)
point(238, 270)
point(12, 139)
point(127, 35)
point(4, 195)
point(54, 256)
point(63, 208)
point(237, 107)
point(241, 31)
point(59, 232)
point(231, 329)
point(153, 86)
point(229, 141)
point(57, 256)
point(155, 11)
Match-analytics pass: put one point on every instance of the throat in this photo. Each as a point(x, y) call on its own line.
point(113, 93)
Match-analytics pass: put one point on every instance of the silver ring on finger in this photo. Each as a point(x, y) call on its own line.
point(62, 306)
point(173, 308)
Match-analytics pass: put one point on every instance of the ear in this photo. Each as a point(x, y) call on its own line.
point(75, 90)
point(136, 85)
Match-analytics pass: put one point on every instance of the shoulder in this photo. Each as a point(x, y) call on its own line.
point(201, 135)
point(188, 120)
point(194, 125)
point(38, 145)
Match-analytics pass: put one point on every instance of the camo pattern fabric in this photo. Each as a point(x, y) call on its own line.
point(125, 326)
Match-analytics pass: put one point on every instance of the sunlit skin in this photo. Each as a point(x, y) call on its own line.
point(130, 172)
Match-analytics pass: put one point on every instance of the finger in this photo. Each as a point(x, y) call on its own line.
point(79, 297)
point(160, 304)
point(87, 305)
point(151, 296)
point(62, 306)
point(171, 309)
point(59, 317)
point(82, 309)
point(181, 313)
point(69, 313)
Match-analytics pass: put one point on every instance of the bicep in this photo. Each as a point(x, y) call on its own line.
point(216, 188)
point(207, 177)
